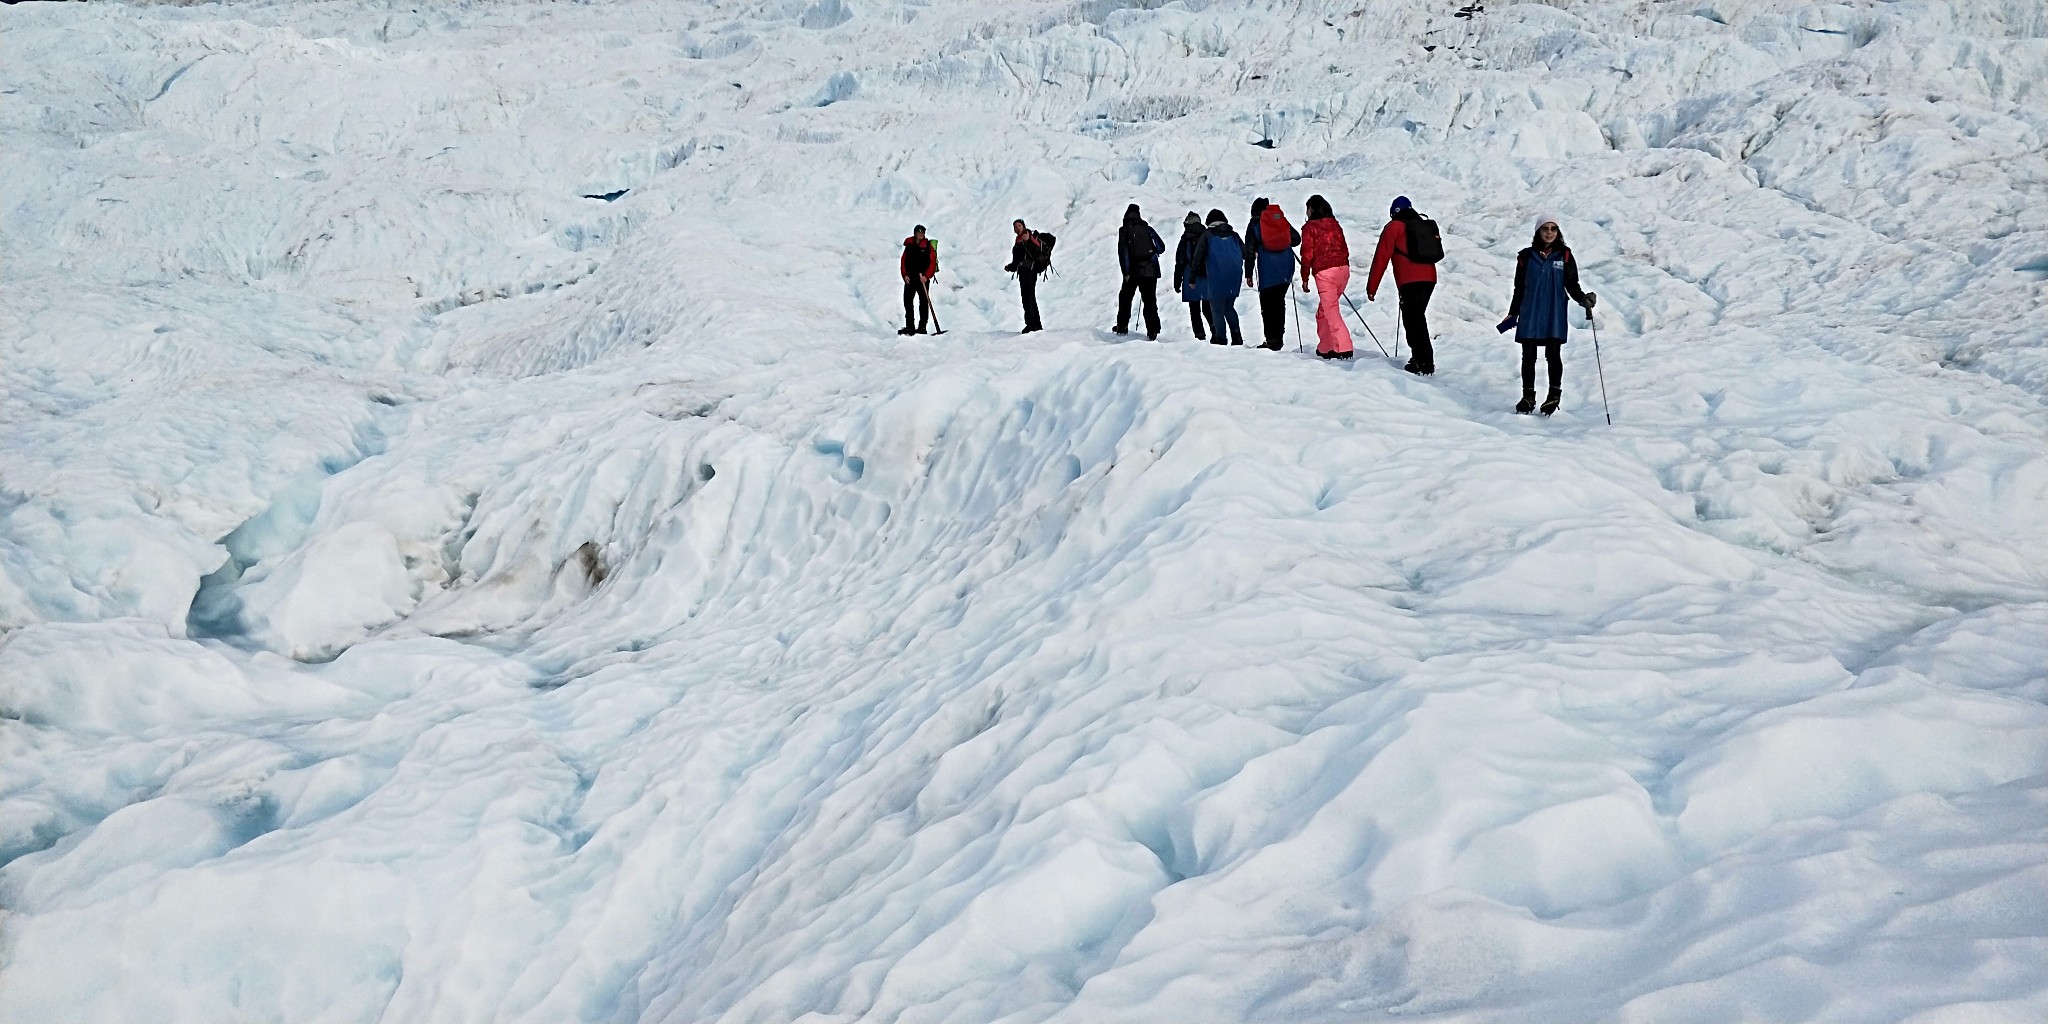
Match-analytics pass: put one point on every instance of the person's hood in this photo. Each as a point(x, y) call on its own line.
point(1131, 214)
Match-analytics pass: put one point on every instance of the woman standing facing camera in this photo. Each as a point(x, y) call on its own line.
point(1545, 273)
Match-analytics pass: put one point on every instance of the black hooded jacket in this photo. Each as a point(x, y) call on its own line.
point(1138, 247)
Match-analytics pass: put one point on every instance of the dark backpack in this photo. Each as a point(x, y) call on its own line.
point(1425, 242)
point(1136, 239)
point(1274, 230)
point(1041, 260)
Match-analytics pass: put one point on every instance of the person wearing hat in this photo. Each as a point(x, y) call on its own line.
point(1184, 276)
point(1413, 282)
point(1545, 274)
point(1138, 249)
point(1218, 260)
point(917, 266)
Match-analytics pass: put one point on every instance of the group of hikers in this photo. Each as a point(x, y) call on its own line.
point(1211, 257)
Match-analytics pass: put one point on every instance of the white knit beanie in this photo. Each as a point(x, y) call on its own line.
point(1547, 218)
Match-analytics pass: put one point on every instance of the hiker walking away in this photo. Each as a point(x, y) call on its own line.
point(917, 266)
point(1028, 259)
point(1138, 249)
point(1545, 273)
point(1184, 277)
point(1412, 244)
point(1269, 243)
point(1218, 260)
point(1325, 257)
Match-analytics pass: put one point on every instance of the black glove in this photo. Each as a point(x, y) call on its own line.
point(1010, 267)
point(1590, 298)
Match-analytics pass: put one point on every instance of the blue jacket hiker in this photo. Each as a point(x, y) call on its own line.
point(1269, 243)
point(1545, 274)
point(1219, 259)
point(1138, 249)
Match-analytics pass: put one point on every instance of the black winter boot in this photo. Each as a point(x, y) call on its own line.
point(1528, 403)
point(1549, 402)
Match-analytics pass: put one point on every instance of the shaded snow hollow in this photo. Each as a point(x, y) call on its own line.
point(431, 594)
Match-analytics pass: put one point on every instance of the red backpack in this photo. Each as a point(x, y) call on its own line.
point(1274, 231)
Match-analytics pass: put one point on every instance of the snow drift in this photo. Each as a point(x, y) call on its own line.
point(472, 546)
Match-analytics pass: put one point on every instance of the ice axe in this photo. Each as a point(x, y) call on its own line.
point(923, 290)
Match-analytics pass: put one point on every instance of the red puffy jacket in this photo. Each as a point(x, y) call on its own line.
point(1322, 247)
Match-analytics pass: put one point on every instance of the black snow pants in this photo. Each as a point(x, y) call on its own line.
point(1027, 286)
point(1414, 322)
point(914, 296)
point(1148, 289)
point(1553, 352)
point(1273, 313)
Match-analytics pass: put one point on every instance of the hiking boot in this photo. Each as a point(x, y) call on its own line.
point(1549, 402)
point(1271, 346)
point(1119, 330)
point(1528, 403)
point(906, 332)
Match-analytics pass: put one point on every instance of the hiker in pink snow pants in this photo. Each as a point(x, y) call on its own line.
point(1325, 257)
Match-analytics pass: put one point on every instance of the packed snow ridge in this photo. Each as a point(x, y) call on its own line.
point(473, 546)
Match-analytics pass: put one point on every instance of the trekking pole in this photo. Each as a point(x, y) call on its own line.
point(1601, 369)
point(1368, 327)
point(1398, 332)
point(1297, 325)
point(924, 288)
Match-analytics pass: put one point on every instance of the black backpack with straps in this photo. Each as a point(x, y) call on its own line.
point(1425, 242)
point(1041, 261)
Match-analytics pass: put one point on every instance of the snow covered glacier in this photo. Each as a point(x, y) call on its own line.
point(431, 591)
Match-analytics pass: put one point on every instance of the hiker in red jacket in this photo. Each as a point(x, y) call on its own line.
point(917, 266)
point(1325, 257)
point(1414, 280)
